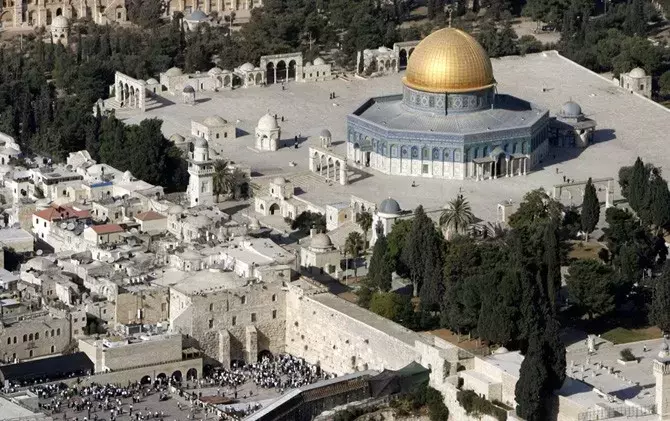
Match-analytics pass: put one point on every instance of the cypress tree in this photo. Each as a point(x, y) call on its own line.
point(659, 203)
point(660, 303)
point(590, 209)
point(413, 254)
point(379, 272)
point(531, 388)
point(637, 186)
point(552, 264)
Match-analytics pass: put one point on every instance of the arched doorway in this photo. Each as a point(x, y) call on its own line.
point(145, 380)
point(176, 376)
point(236, 363)
point(264, 354)
point(274, 208)
point(59, 11)
point(270, 73)
point(192, 374)
point(161, 378)
point(282, 71)
point(402, 57)
point(291, 70)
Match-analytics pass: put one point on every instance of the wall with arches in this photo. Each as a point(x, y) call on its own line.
point(130, 92)
point(282, 67)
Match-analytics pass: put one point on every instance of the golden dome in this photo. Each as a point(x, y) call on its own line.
point(449, 60)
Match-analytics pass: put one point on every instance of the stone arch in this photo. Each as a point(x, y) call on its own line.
point(485, 151)
point(191, 374)
point(338, 168)
point(59, 12)
point(32, 17)
point(264, 354)
point(291, 70)
point(393, 64)
point(282, 71)
point(457, 156)
point(145, 380)
point(415, 152)
point(436, 154)
point(475, 154)
point(394, 151)
point(161, 378)
point(404, 152)
point(6, 16)
point(409, 53)
point(425, 153)
point(515, 148)
point(270, 73)
point(273, 208)
point(402, 58)
point(226, 81)
point(445, 154)
point(259, 78)
point(329, 166)
point(176, 376)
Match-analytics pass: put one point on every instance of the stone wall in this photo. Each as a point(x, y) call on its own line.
point(159, 350)
point(43, 336)
point(122, 377)
point(154, 304)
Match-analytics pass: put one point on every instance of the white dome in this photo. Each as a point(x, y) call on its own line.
point(200, 143)
point(637, 72)
point(175, 210)
point(307, 64)
point(201, 221)
point(319, 61)
point(174, 71)
point(152, 81)
point(214, 71)
point(383, 49)
point(60, 22)
point(326, 133)
point(247, 67)
point(267, 122)
point(321, 241)
point(214, 120)
point(280, 181)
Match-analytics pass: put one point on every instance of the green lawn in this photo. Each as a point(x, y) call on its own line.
point(620, 335)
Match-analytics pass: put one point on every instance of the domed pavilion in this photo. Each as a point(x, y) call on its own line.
point(450, 121)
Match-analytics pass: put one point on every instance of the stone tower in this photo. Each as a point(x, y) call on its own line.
point(201, 174)
point(661, 368)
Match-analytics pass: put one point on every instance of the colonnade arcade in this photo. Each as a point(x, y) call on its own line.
point(129, 92)
point(282, 67)
point(500, 164)
point(328, 165)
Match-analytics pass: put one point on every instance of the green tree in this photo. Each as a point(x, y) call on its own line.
point(659, 201)
point(528, 44)
point(390, 305)
point(364, 221)
point(638, 186)
point(664, 83)
point(221, 178)
point(379, 272)
point(531, 388)
point(145, 13)
point(660, 303)
point(396, 242)
point(414, 251)
point(590, 209)
point(353, 246)
point(592, 287)
point(309, 220)
point(457, 216)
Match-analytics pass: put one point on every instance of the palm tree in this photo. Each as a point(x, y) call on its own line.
point(365, 222)
point(220, 178)
point(236, 179)
point(457, 215)
point(353, 247)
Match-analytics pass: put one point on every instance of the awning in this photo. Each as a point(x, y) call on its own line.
point(55, 368)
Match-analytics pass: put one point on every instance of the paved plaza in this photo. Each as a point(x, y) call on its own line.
point(627, 126)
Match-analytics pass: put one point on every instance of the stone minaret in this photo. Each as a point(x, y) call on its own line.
point(661, 368)
point(201, 173)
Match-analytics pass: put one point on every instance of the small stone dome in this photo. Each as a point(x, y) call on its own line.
point(390, 206)
point(267, 122)
point(501, 350)
point(214, 71)
point(319, 61)
point(383, 49)
point(307, 64)
point(321, 241)
point(152, 81)
point(197, 16)
point(175, 210)
point(188, 89)
point(571, 109)
point(280, 181)
point(247, 67)
point(214, 120)
point(637, 72)
point(60, 22)
point(200, 143)
point(174, 71)
point(326, 133)
point(177, 138)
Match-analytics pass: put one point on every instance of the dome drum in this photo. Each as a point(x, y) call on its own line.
point(445, 103)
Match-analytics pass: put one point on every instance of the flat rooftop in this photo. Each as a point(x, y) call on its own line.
point(9, 410)
point(200, 281)
point(627, 126)
point(509, 113)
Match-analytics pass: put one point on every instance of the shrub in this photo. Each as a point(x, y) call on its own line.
point(627, 355)
point(473, 404)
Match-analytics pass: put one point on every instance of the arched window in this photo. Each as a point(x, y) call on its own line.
point(30, 337)
point(445, 154)
point(25, 338)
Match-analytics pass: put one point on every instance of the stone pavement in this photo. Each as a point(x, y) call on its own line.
point(628, 126)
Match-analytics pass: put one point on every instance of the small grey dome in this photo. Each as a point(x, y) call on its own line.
point(390, 206)
point(326, 133)
point(637, 72)
point(321, 241)
point(152, 81)
point(280, 181)
point(214, 120)
point(383, 49)
point(200, 143)
point(177, 138)
point(188, 89)
point(214, 71)
point(319, 61)
point(247, 67)
point(197, 16)
point(174, 71)
point(60, 22)
point(571, 109)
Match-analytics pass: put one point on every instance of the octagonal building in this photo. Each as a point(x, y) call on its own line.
point(450, 121)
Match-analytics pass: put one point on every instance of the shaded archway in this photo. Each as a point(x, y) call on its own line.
point(270, 73)
point(274, 208)
point(59, 11)
point(264, 354)
point(145, 380)
point(176, 376)
point(282, 71)
point(402, 57)
point(291, 70)
point(161, 378)
point(192, 374)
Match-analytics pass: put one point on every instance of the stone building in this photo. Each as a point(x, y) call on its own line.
point(385, 215)
point(320, 256)
point(278, 200)
point(230, 318)
point(188, 95)
point(195, 19)
point(448, 123)
point(213, 128)
point(636, 81)
point(381, 61)
point(317, 71)
point(571, 128)
point(268, 134)
point(26, 14)
point(60, 28)
point(248, 75)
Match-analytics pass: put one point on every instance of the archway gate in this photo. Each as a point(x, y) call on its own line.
point(282, 67)
point(403, 50)
point(558, 189)
point(129, 92)
point(329, 165)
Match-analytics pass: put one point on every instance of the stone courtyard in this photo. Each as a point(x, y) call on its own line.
point(627, 126)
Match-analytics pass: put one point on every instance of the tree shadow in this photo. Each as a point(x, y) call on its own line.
point(160, 102)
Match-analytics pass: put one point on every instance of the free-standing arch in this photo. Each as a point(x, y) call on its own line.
point(130, 92)
point(282, 67)
point(161, 378)
point(322, 160)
